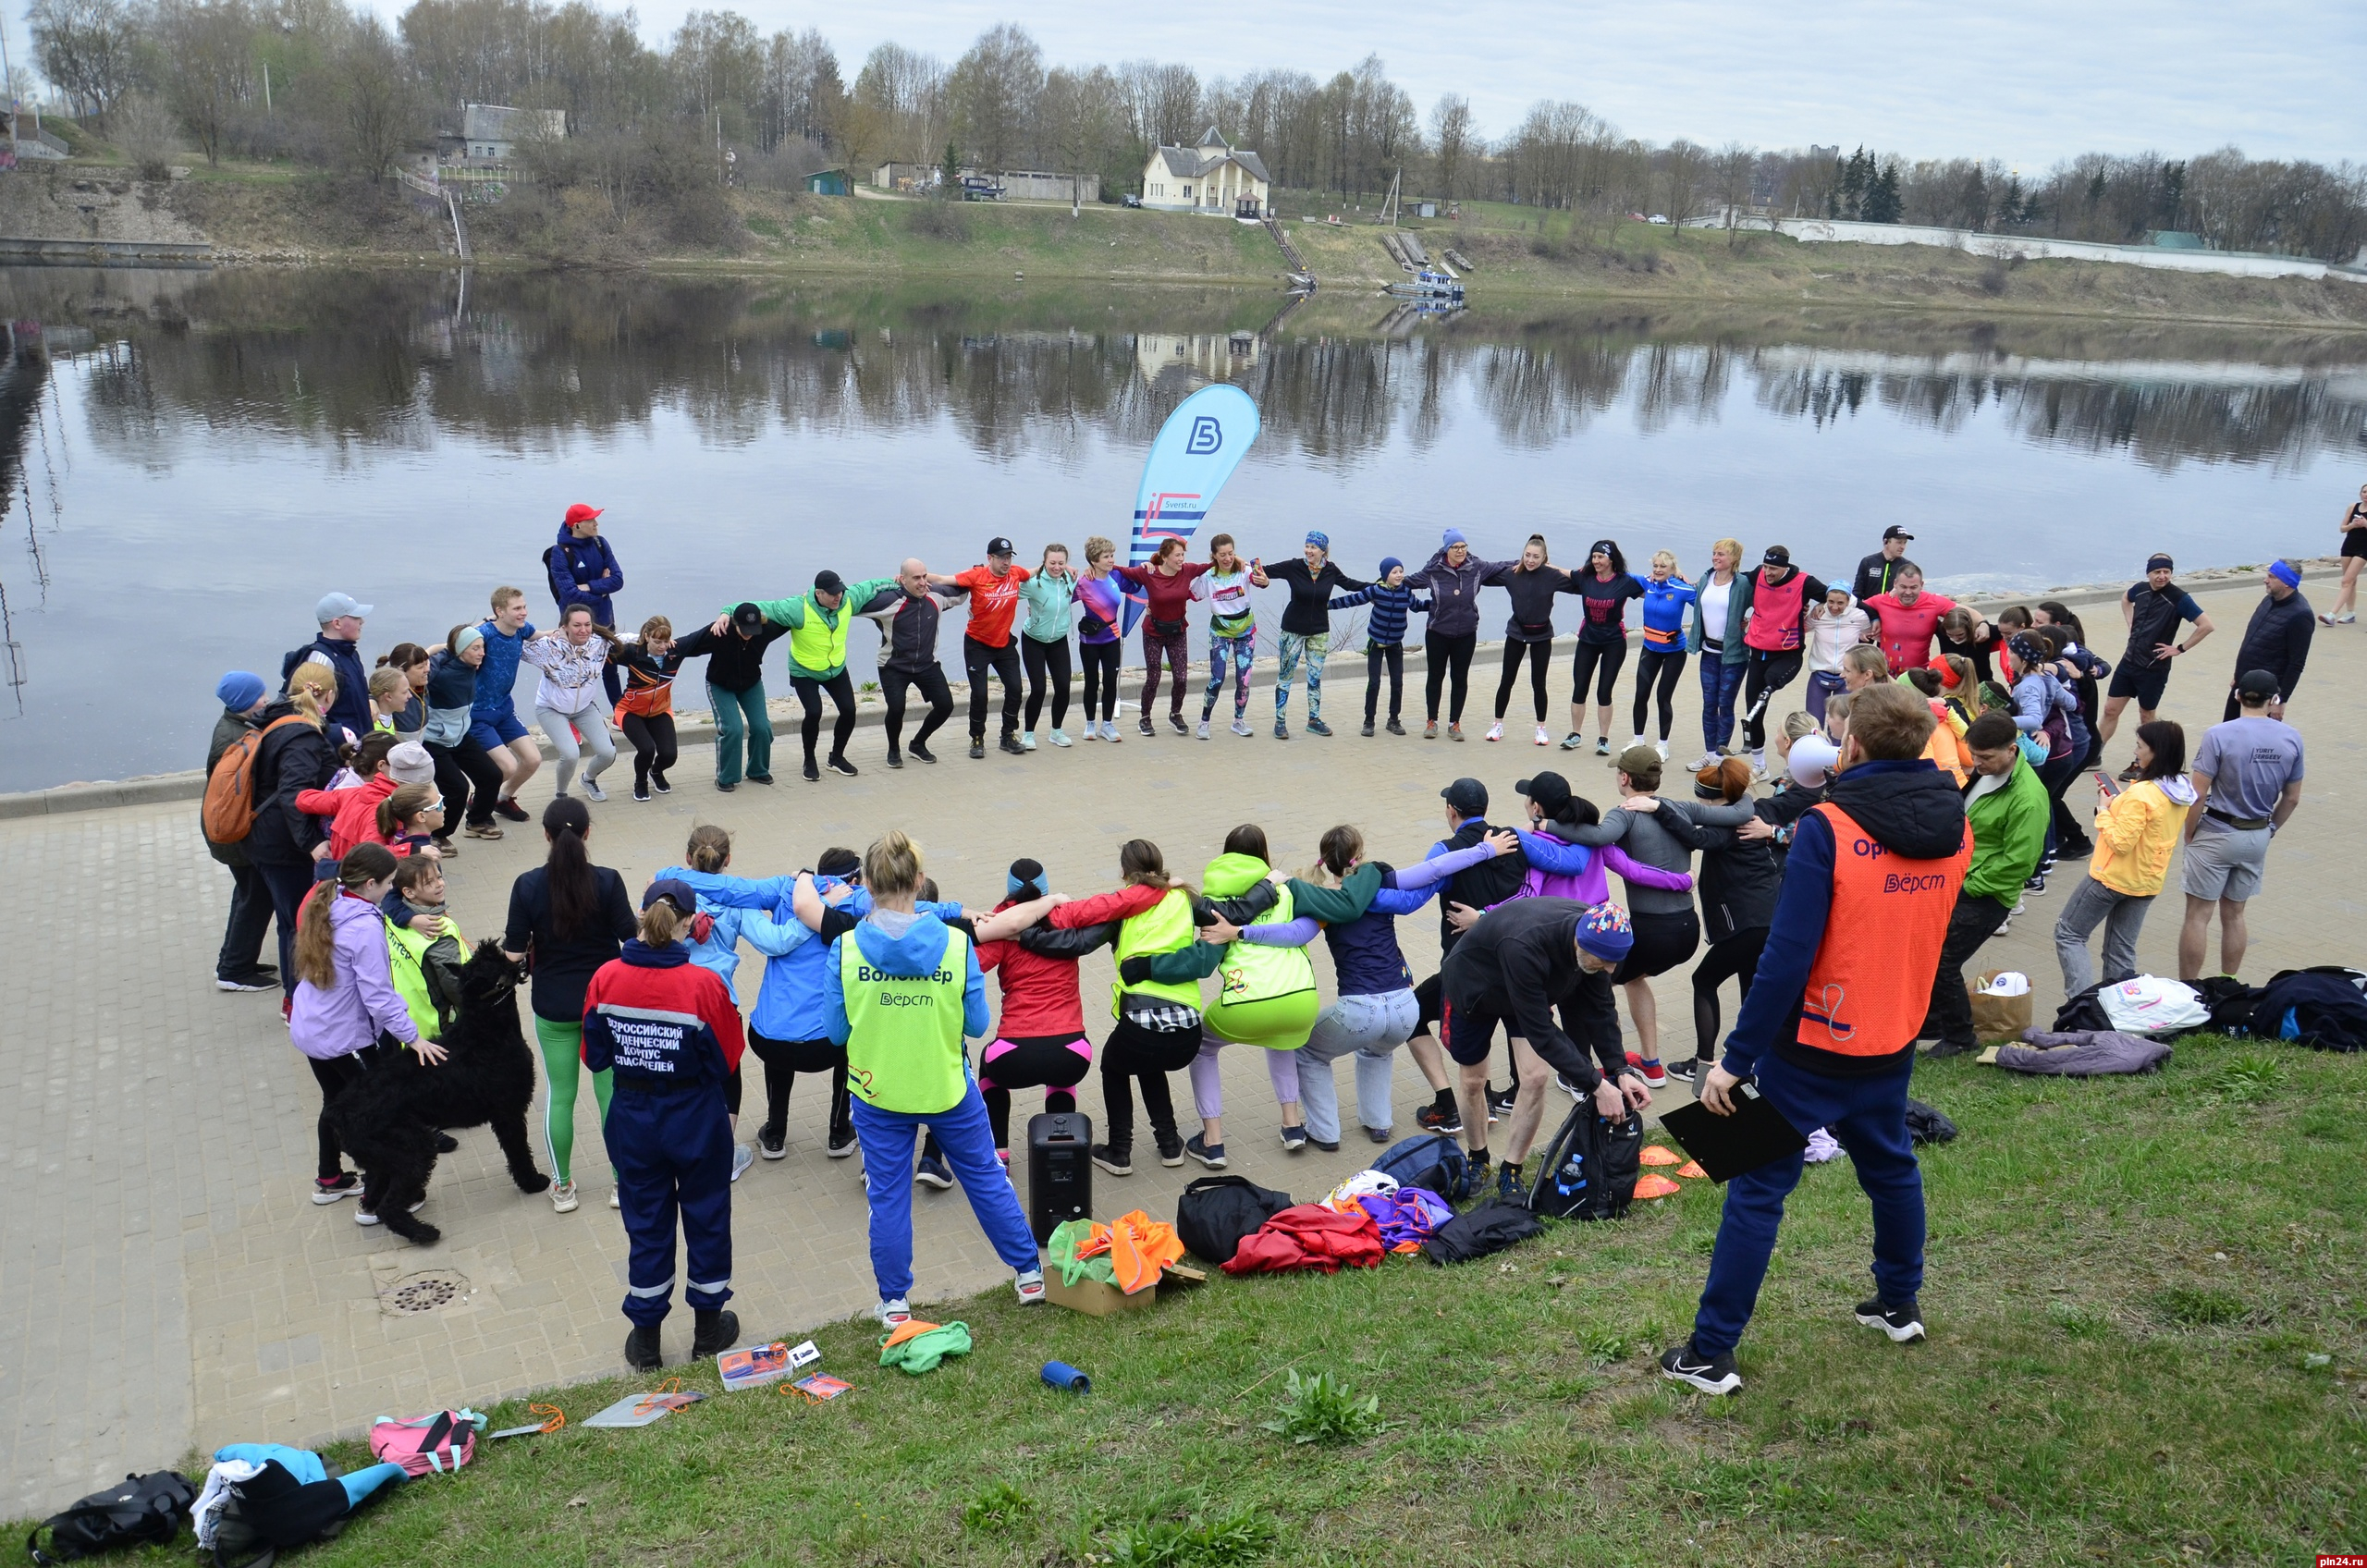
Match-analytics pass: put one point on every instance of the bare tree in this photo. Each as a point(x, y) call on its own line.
point(1450, 138)
point(993, 90)
point(144, 127)
point(905, 91)
point(1163, 103)
point(380, 111)
point(206, 58)
point(89, 49)
point(1081, 115)
point(1730, 178)
point(1682, 169)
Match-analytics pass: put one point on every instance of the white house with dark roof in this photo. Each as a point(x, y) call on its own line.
point(1215, 177)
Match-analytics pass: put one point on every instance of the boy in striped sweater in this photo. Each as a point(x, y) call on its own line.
point(1385, 636)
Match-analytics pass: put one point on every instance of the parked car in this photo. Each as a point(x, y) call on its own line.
point(1130, 200)
point(1660, 218)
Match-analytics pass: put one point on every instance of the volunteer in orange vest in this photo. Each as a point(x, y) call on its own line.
point(1828, 1029)
point(1776, 599)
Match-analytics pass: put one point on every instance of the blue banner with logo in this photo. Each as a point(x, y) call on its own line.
point(1197, 449)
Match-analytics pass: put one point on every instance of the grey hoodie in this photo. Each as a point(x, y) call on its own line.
point(1665, 838)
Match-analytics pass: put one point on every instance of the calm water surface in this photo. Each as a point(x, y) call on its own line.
point(190, 461)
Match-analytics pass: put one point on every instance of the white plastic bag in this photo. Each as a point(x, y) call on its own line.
point(2150, 1005)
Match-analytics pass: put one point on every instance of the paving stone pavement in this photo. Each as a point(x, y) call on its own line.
point(169, 1284)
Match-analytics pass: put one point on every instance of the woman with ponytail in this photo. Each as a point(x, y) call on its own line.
point(345, 1016)
point(567, 918)
point(284, 840)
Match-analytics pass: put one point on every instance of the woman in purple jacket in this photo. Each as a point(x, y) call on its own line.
point(347, 1014)
point(1099, 645)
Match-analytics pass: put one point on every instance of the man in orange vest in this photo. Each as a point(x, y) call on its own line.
point(1829, 1027)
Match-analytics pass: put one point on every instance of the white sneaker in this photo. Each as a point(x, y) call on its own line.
point(1203, 731)
point(1092, 729)
point(1496, 730)
point(742, 1156)
point(368, 1216)
point(563, 1197)
point(592, 791)
point(1662, 747)
point(1241, 727)
point(1059, 738)
point(1030, 1286)
point(1027, 742)
point(1109, 731)
point(1639, 740)
point(616, 1199)
point(1543, 738)
point(1759, 763)
point(1707, 759)
point(892, 1313)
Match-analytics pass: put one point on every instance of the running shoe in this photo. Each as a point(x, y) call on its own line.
point(1707, 759)
point(721, 788)
point(1758, 762)
point(921, 752)
point(1430, 730)
point(842, 1142)
point(1662, 747)
point(764, 778)
point(564, 1198)
point(1170, 1150)
point(1496, 730)
point(482, 830)
point(2131, 774)
point(1381, 1134)
point(812, 770)
point(1294, 1139)
point(1010, 742)
point(772, 1141)
point(896, 759)
point(1509, 1186)
point(1454, 731)
point(1199, 1148)
point(1060, 739)
point(1144, 725)
point(1568, 1088)
point(1683, 1069)
point(2344, 619)
point(507, 806)
point(592, 790)
point(1028, 740)
point(1654, 1074)
point(1281, 730)
point(1332, 1146)
point(1499, 1104)
point(255, 982)
point(1603, 745)
point(641, 793)
point(1109, 731)
point(1117, 1162)
point(1902, 1323)
point(894, 1313)
point(1092, 729)
point(1029, 1283)
point(370, 1216)
point(1175, 722)
point(1714, 1375)
point(932, 1171)
point(1317, 727)
point(977, 748)
point(742, 1156)
point(658, 783)
point(1201, 733)
point(840, 767)
point(2037, 884)
point(1570, 743)
point(1241, 728)
point(1437, 1118)
point(1367, 730)
point(346, 1184)
point(1395, 728)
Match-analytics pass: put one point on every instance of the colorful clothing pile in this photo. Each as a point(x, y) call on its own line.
point(1310, 1235)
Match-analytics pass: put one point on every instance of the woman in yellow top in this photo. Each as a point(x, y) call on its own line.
point(2136, 831)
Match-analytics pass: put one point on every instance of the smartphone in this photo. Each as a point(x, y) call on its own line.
point(2111, 786)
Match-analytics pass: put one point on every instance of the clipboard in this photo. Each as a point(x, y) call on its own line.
point(1727, 1147)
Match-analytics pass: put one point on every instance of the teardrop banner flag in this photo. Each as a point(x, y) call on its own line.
point(1197, 450)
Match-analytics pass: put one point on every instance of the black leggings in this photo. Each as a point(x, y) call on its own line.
point(1101, 661)
point(1667, 666)
point(470, 781)
point(1048, 666)
point(809, 691)
point(929, 683)
point(1376, 654)
point(1600, 662)
point(1736, 956)
point(1539, 654)
point(1762, 677)
point(333, 1075)
point(1133, 1052)
point(784, 1059)
point(976, 659)
point(653, 746)
point(1050, 1062)
point(1445, 655)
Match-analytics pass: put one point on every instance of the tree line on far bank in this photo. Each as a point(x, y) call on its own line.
point(649, 128)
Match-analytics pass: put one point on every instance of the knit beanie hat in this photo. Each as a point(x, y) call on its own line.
point(1605, 932)
point(410, 764)
point(1388, 564)
point(239, 691)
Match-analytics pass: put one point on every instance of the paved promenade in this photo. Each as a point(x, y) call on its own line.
point(169, 1285)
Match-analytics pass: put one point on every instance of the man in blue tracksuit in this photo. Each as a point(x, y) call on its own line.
point(1827, 1028)
point(669, 1030)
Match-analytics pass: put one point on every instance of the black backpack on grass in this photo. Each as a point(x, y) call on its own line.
point(142, 1511)
point(1216, 1212)
point(1589, 1169)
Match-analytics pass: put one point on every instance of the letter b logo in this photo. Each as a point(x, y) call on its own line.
point(1206, 437)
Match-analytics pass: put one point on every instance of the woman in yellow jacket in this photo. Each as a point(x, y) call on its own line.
point(2136, 831)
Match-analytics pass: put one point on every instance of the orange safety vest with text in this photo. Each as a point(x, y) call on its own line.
point(1870, 985)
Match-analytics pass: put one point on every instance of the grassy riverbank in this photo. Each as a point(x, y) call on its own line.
point(2147, 1347)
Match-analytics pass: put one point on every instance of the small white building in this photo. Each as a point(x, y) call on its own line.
point(494, 131)
point(1214, 177)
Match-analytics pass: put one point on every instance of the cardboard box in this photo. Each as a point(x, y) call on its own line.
point(1092, 1297)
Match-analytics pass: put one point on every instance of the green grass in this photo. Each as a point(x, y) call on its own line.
point(2146, 1348)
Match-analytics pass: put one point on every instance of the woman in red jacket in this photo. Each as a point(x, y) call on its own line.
point(1166, 584)
point(1039, 1040)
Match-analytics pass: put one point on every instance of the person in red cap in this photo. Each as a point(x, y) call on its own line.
point(584, 571)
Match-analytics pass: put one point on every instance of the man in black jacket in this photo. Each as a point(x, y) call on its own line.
point(908, 615)
point(339, 647)
point(1482, 886)
point(239, 966)
point(734, 648)
point(1877, 571)
point(1306, 627)
point(1515, 966)
point(2277, 640)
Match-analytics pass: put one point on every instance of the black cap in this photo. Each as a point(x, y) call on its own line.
point(748, 619)
point(1777, 556)
point(1549, 790)
point(828, 582)
point(1894, 532)
point(2257, 684)
point(1468, 796)
point(998, 546)
point(675, 891)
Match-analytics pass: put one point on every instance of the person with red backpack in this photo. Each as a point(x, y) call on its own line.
point(239, 966)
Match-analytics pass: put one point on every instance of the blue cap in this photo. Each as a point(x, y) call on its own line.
point(1451, 537)
point(1319, 539)
point(239, 691)
point(1389, 564)
point(675, 891)
point(1606, 932)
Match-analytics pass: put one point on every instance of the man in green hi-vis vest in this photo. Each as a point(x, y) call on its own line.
point(817, 623)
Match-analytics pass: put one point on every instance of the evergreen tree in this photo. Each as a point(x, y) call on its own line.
point(1881, 196)
point(952, 189)
point(1856, 177)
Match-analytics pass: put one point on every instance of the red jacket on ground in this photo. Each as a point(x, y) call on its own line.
point(1310, 1235)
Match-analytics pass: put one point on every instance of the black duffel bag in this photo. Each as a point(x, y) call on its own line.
point(1216, 1212)
point(141, 1511)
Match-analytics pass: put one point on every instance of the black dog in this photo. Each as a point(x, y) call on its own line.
point(390, 1121)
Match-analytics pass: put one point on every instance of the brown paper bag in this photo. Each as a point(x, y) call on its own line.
point(1996, 1019)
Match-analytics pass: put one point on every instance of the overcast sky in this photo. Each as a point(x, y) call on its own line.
point(2025, 80)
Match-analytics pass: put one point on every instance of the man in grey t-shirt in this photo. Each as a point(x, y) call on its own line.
point(2248, 781)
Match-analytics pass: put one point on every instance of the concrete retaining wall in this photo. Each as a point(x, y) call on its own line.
point(2033, 247)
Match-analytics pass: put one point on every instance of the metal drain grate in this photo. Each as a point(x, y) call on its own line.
point(416, 1293)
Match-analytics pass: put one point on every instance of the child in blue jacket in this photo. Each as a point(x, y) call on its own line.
point(1385, 636)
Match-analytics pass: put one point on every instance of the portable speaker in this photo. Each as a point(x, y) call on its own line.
point(1059, 1171)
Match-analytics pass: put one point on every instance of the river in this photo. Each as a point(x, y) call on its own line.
point(191, 460)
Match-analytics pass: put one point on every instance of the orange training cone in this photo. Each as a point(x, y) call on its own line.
point(1692, 1167)
point(1655, 1188)
point(1659, 1154)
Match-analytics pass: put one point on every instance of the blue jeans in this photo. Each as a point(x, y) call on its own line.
point(1869, 1118)
point(1241, 650)
point(1720, 683)
point(1293, 647)
point(740, 716)
point(673, 1157)
point(968, 1143)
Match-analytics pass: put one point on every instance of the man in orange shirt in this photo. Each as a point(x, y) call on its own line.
point(1829, 1026)
point(986, 641)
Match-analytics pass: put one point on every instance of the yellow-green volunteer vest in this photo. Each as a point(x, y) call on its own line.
point(1254, 973)
point(1164, 927)
point(904, 1030)
point(405, 950)
point(818, 645)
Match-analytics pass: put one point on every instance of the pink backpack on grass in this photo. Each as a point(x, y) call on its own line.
point(440, 1442)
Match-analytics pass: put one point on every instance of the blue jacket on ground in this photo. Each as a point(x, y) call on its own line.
point(351, 708)
point(590, 562)
point(498, 674)
point(917, 950)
